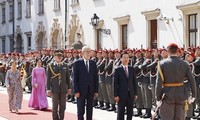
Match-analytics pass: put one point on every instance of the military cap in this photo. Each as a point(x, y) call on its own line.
point(128, 50)
point(69, 51)
point(148, 50)
point(99, 51)
point(116, 51)
point(137, 51)
point(192, 54)
point(110, 51)
point(105, 51)
point(9, 53)
point(58, 52)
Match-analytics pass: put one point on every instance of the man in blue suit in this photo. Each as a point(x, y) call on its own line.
point(85, 83)
point(125, 90)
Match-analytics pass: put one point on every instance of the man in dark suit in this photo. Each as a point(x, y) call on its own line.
point(170, 84)
point(125, 90)
point(85, 83)
point(58, 85)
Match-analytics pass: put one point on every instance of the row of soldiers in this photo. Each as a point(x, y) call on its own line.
point(143, 60)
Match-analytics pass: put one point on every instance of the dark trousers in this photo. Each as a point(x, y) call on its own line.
point(128, 103)
point(81, 102)
point(58, 101)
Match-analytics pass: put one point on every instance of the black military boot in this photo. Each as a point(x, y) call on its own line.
point(95, 103)
point(71, 99)
point(112, 108)
point(100, 105)
point(148, 113)
point(107, 106)
point(139, 112)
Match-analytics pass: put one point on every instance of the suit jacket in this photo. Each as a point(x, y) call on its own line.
point(122, 84)
point(84, 79)
point(53, 82)
point(174, 70)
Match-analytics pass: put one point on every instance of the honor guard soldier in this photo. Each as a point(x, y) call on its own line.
point(189, 58)
point(58, 85)
point(101, 73)
point(139, 77)
point(146, 92)
point(109, 80)
point(100, 96)
point(170, 89)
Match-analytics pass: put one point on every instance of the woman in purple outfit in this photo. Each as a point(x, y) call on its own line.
point(38, 99)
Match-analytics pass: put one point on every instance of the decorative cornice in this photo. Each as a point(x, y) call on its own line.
point(122, 20)
point(28, 33)
point(10, 36)
point(185, 7)
point(3, 37)
point(151, 14)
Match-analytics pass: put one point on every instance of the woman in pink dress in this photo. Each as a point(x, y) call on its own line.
point(38, 99)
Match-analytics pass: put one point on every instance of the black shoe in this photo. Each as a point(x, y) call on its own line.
point(146, 116)
point(74, 101)
point(99, 106)
point(111, 109)
point(95, 103)
point(71, 99)
point(107, 106)
point(148, 113)
point(196, 117)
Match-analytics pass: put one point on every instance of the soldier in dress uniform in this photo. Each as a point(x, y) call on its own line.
point(58, 85)
point(139, 77)
point(189, 58)
point(170, 87)
point(100, 96)
point(50, 59)
point(153, 73)
point(109, 80)
point(75, 58)
point(146, 92)
point(101, 73)
point(70, 59)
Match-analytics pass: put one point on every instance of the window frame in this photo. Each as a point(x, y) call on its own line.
point(195, 30)
point(19, 9)
point(40, 7)
point(12, 45)
point(124, 42)
point(3, 9)
point(99, 39)
point(3, 45)
point(56, 4)
point(28, 8)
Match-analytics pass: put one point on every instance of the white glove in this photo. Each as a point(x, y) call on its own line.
point(158, 103)
point(191, 100)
